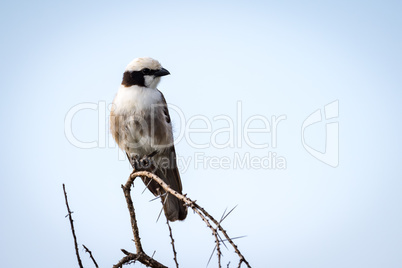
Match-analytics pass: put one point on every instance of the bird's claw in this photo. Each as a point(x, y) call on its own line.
point(142, 164)
point(145, 162)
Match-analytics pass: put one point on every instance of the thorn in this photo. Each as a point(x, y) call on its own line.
point(228, 214)
point(238, 237)
point(210, 257)
point(153, 199)
point(164, 202)
point(220, 238)
point(223, 215)
point(160, 212)
point(150, 180)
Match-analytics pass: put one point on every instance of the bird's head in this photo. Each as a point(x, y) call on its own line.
point(143, 72)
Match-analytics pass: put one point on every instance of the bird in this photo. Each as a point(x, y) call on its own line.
point(141, 126)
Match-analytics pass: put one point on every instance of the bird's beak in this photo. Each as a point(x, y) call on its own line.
point(161, 72)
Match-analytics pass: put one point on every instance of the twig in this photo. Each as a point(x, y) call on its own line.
point(140, 256)
point(72, 228)
point(242, 258)
point(90, 255)
point(127, 189)
point(218, 248)
point(173, 247)
point(215, 233)
point(125, 260)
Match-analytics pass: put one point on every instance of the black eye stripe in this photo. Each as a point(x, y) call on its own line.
point(136, 77)
point(147, 71)
point(133, 78)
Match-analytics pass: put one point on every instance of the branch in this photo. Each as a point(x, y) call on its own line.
point(72, 228)
point(90, 255)
point(140, 256)
point(127, 190)
point(215, 233)
point(242, 258)
point(173, 247)
point(199, 210)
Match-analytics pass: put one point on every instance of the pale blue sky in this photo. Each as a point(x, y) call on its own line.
point(275, 57)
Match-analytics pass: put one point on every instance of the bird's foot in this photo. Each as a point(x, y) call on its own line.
point(143, 164)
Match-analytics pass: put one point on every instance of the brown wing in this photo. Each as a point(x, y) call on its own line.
point(169, 173)
point(165, 108)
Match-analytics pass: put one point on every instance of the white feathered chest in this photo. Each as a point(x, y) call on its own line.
point(139, 121)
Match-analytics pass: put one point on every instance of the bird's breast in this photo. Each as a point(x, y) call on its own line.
point(136, 99)
point(139, 123)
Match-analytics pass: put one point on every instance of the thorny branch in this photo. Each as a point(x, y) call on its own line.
point(172, 242)
point(140, 255)
point(90, 255)
point(199, 210)
point(72, 228)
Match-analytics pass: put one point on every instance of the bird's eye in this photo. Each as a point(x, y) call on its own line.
point(145, 71)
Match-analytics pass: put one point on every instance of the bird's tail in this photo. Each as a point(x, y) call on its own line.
point(174, 208)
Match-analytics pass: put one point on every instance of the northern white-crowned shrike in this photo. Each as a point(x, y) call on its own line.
point(140, 124)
